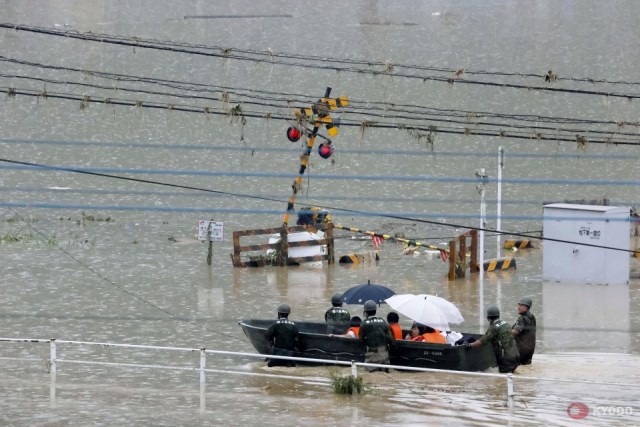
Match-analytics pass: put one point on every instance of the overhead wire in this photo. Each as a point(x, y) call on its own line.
point(237, 113)
point(342, 209)
point(343, 150)
point(290, 98)
point(333, 64)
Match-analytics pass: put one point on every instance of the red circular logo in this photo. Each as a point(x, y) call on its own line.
point(578, 410)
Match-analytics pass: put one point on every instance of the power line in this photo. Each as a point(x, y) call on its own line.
point(296, 150)
point(397, 216)
point(20, 165)
point(332, 64)
point(237, 114)
point(308, 199)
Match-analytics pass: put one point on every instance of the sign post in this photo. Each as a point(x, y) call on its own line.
point(213, 231)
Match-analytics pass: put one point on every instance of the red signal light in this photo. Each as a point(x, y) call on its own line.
point(293, 134)
point(325, 150)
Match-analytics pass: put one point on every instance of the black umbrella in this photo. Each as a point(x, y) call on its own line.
point(362, 293)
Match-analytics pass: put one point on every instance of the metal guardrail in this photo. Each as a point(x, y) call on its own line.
point(202, 368)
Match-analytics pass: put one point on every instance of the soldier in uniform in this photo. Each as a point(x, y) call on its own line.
point(376, 336)
point(499, 335)
point(283, 337)
point(338, 319)
point(524, 331)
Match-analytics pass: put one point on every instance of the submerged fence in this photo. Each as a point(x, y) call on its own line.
point(202, 369)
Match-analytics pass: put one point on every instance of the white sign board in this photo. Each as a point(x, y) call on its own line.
point(216, 227)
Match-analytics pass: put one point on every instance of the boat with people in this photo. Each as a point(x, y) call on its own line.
point(316, 343)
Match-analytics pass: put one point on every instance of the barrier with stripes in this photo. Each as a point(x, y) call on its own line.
point(500, 264)
point(519, 244)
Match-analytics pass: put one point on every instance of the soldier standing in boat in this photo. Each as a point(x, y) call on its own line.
point(499, 335)
point(283, 337)
point(377, 337)
point(524, 331)
point(338, 319)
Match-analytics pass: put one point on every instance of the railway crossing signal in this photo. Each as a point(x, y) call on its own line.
point(318, 115)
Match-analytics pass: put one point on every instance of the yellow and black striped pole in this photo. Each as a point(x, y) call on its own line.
point(304, 162)
point(388, 237)
point(320, 113)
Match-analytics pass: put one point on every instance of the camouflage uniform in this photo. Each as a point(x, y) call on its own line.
point(504, 346)
point(377, 337)
point(526, 337)
point(283, 336)
point(338, 320)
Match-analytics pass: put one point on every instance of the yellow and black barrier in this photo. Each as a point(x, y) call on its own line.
point(519, 244)
point(407, 242)
point(499, 264)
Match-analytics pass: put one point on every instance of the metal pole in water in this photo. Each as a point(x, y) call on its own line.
point(482, 176)
point(354, 369)
point(499, 199)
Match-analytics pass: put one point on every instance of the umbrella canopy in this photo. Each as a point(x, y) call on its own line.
point(429, 310)
point(362, 293)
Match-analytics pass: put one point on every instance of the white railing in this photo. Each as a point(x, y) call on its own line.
point(202, 369)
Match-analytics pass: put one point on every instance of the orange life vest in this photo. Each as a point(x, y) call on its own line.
point(434, 337)
point(355, 329)
point(397, 331)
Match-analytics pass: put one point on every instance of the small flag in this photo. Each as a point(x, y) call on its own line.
point(377, 240)
point(444, 255)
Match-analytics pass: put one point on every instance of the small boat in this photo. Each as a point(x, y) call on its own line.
point(315, 343)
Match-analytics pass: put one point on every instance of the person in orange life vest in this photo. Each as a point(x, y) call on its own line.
point(392, 320)
point(434, 336)
point(414, 334)
point(423, 333)
point(354, 328)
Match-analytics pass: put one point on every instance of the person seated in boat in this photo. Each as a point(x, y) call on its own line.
point(433, 336)
point(283, 337)
point(354, 328)
point(392, 320)
point(414, 333)
point(424, 333)
point(338, 319)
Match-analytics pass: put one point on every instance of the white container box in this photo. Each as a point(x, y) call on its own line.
point(579, 226)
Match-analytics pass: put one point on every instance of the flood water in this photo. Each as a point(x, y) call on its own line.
point(93, 258)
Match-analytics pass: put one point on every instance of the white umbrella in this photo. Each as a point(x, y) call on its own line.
point(429, 310)
point(448, 308)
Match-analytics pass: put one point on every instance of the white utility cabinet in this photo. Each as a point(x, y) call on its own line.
point(575, 262)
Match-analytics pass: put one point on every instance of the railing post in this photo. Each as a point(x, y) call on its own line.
point(354, 369)
point(203, 365)
point(203, 378)
point(52, 356)
point(509, 391)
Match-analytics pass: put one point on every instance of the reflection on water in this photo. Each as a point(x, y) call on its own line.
point(586, 317)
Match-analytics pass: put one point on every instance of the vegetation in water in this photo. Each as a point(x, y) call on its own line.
point(346, 384)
